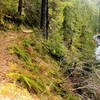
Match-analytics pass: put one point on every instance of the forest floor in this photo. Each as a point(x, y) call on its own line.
point(45, 68)
point(8, 90)
point(6, 39)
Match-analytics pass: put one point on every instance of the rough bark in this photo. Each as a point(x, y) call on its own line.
point(19, 7)
point(44, 18)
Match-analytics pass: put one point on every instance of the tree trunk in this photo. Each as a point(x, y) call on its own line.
point(20, 7)
point(44, 18)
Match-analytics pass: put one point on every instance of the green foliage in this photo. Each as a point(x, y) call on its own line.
point(73, 97)
point(56, 46)
point(21, 53)
point(27, 42)
point(56, 15)
point(32, 12)
point(78, 28)
point(78, 21)
point(9, 6)
point(72, 24)
point(31, 84)
point(37, 43)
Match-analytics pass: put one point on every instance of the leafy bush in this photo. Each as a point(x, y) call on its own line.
point(37, 44)
point(9, 7)
point(27, 42)
point(56, 46)
point(32, 12)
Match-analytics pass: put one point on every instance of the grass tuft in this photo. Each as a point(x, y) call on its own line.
point(30, 83)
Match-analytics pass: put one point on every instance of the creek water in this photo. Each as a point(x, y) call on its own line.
point(97, 50)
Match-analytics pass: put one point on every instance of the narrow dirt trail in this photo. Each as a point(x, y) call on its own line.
point(6, 39)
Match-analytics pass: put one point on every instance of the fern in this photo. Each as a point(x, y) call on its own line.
point(21, 53)
point(30, 83)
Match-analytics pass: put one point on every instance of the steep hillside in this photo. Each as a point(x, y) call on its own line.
point(25, 69)
point(47, 50)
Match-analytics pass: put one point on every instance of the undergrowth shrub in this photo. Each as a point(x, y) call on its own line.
point(27, 42)
point(33, 85)
point(21, 53)
point(43, 80)
point(56, 46)
point(37, 43)
point(9, 8)
point(25, 57)
point(32, 12)
point(30, 79)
